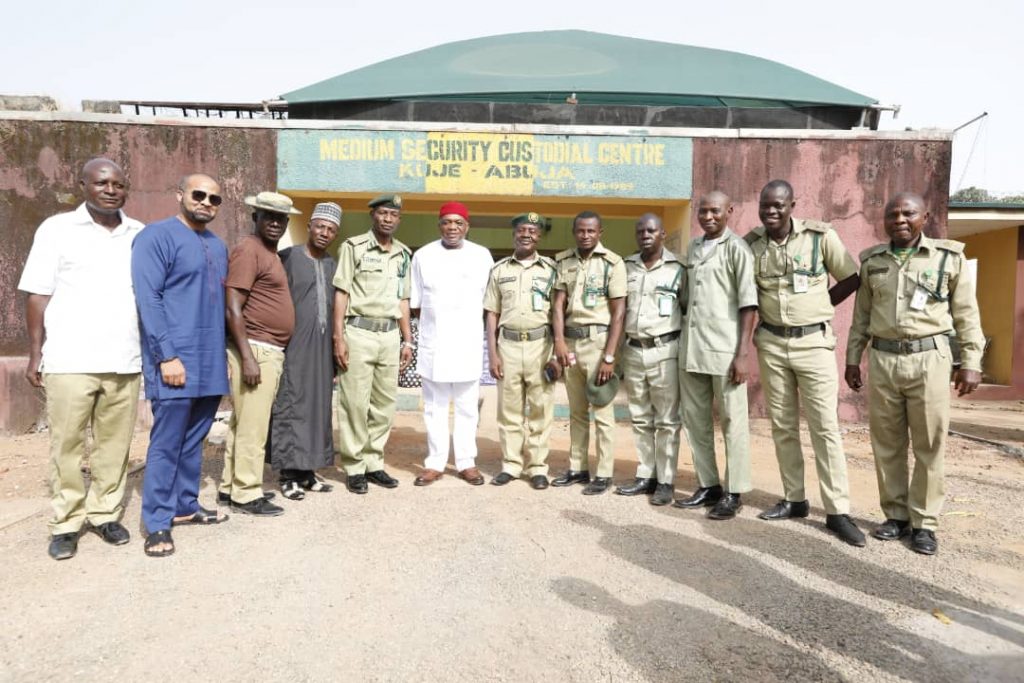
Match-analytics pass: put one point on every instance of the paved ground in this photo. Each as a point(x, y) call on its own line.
point(463, 584)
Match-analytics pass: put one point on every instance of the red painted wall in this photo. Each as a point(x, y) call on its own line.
point(844, 182)
point(39, 177)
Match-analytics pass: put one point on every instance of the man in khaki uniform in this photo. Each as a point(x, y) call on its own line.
point(718, 322)
point(793, 260)
point(372, 340)
point(587, 316)
point(518, 313)
point(914, 292)
point(650, 360)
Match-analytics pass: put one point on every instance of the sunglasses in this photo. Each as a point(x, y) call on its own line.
point(199, 195)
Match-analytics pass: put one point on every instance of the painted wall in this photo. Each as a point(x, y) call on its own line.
point(839, 177)
point(843, 181)
point(996, 253)
point(39, 177)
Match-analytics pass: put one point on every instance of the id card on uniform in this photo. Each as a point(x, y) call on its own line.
point(401, 289)
point(665, 305)
point(538, 301)
point(800, 283)
point(920, 298)
point(589, 298)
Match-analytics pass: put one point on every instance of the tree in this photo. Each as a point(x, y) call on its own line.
point(972, 195)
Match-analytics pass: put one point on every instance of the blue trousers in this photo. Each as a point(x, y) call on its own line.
point(170, 486)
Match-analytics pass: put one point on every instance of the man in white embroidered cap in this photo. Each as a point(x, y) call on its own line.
point(301, 439)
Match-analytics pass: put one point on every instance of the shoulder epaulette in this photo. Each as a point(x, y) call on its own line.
point(547, 261)
point(754, 235)
point(611, 257)
point(562, 255)
point(816, 226)
point(501, 261)
point(356, 240)
point(950, 245)
point(873, 251)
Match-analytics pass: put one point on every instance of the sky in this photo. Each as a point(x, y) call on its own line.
point(944, 62)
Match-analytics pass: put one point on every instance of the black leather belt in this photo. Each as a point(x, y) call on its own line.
point(904, 345)
point(584, 331)
point(653, 341)
point(372, 324)
point(793, 332)
point(525, 335)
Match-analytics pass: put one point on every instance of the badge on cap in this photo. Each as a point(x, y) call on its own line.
point(533, 217)
point(397, 201)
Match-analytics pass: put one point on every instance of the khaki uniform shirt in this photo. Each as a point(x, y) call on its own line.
point(910, 301)
point(589, 283)
point(521, 294)
point(719, 283)
point(375, 279)
point(653, 296)
point(793, 276)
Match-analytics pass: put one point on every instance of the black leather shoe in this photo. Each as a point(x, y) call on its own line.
point(923, 541)
point(892, 529)
point(597, 486)
point(225, 498)
point(382, 478)
point(113, 533)
point(502, 479)
point(539, 481)
point(843, 527)
point(785, 509)
point(704, 496)
point(572, 477)
point(261, 507)
point(726, 507)
point(640, 485)
point(663, 494)
point(356, 483)
point(63, 546)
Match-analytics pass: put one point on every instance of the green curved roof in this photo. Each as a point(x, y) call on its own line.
point(546, 66)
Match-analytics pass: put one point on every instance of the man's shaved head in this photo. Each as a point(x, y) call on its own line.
point(716, 197)
point(773, 185)
point(650, 217)
point(191, 179)
point(97, 163)
point(905, 196)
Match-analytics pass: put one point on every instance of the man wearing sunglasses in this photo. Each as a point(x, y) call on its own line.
point(78, 272)
point(177, 271)
point(261, 319)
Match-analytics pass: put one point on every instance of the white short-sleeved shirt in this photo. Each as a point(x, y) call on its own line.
point(448, 287)
point(91, 322)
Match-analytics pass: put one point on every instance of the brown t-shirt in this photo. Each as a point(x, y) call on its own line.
point(268, 313)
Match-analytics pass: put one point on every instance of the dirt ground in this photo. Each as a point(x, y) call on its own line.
point(469, 583)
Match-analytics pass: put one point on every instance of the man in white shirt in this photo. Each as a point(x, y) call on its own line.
point(449, 277)
point(84, 350)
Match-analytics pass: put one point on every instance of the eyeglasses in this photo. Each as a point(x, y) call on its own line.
point(199, 195)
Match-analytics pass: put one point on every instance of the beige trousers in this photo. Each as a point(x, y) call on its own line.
point(697, 393)
point(908, 400)
point(525, 405)
point(652, 385)
point(110, 402)
point(245, 449)
point(367, 393)
point(588, 356)
point(804, 377)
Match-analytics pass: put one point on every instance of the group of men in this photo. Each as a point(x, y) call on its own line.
point(266, 327)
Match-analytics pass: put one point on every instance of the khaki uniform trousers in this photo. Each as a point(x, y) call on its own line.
point(367, 395)
point(526, 405)
point(696, 393)
point(652, 385)
point(245, 450)
point(809, 375)
point(589, 353)
point(910, 393)
point(110, 401)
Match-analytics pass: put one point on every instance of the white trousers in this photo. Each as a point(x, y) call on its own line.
point(436, 398)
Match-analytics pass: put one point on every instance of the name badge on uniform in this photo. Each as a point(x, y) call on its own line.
point(920, 298)
point(538, 301)
point(800, 283)
point(665, 305)
point(589, 298)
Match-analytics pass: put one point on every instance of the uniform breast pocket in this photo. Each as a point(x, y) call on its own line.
point(509, 296)
point(877, 278)
point(771, 265)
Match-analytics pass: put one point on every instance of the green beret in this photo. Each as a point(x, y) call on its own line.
point(531, 217)
point(388, 201)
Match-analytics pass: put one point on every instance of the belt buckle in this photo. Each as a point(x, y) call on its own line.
point(524, 336)
point(906, 346)
point(796, 332)
point(658, 341)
